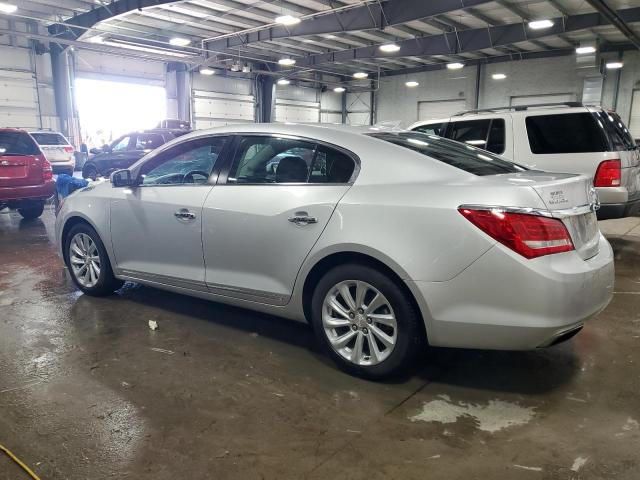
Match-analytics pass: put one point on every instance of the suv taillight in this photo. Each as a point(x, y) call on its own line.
point(529, 235)
point(47, 171)
point(68, 149)
point(608, 174)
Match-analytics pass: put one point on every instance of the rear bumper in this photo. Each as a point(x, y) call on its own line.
point(28, 192)
point(505, 302)
point(619, 210)
point(63, 166)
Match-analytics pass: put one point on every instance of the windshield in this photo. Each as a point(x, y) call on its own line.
point(49, 139)
point(17, 143)
point(465, 157)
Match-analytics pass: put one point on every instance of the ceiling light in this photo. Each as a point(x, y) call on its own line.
point(540, 24)
point(498, 76)
point(339, 89)
point(287, 62)
point(287, 20)
point(96, 39)
point(283, 81)
point(390, 47)
point(614, 65)
point(179, 41)
point(207, 71)
point(360, 75)
point(411, 83)
point(455, 66)
point(7, 7)
point(588, 49)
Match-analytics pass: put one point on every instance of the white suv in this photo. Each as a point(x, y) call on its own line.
point(566, 137)
point(57, 149)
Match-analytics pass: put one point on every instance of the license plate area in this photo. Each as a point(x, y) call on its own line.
point(584, 233)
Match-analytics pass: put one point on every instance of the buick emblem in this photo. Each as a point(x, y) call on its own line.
point(594, 201)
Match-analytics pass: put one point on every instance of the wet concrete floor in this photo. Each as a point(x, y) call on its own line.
point(88, 391)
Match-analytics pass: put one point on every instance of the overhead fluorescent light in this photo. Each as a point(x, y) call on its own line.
point(179, 41)
point(283, 81)
point(540, 24)
point(455, 66)
point(587, 49)
point(7, 7)
point(207, 71)
point(360, 75)
point(287, 20)
point(389, 47)
point(614, 65)
point(287, 62)
point(339, 89)
point(475, 142)
point(411, 83)
point(498, 76)
point(96, 39)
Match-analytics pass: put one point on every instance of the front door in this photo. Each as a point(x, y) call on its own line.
point(261, 222)
point(156, 227)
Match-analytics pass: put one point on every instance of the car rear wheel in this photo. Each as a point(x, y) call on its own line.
point(365, 321)
point(88, 262)
point(90, 171)
point(32, 210)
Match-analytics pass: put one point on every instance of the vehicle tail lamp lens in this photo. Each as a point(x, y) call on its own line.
point(608, 174)
point(47, 171)
point(529, 235)
point(68, 149)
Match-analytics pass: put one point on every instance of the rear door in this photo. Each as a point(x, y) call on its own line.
point(21, 161)
point(261, 221)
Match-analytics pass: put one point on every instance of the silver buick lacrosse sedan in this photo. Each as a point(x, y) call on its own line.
point(384, 240)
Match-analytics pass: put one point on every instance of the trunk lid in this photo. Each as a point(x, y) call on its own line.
point(21, 170)
point(570, 198)
point(57, 153)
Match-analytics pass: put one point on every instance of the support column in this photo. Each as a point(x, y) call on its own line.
point(344, 107)
point(266, 98)
point(63, 79)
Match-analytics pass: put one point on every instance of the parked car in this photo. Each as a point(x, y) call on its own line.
point(57, 149)
point(126, 150)
point(388, 241)
point(26, 177)
point(564, 137)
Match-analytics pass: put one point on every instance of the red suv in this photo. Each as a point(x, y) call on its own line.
point(26, 177)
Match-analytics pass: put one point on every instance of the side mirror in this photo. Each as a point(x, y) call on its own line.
point(121, 178)
point(95, 151)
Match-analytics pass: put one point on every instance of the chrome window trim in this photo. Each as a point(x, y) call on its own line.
point(568, 212)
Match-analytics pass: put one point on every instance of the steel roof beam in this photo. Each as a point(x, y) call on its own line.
point(615, 20)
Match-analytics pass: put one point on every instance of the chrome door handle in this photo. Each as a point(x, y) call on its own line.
point(184, 214)
point(301, 218)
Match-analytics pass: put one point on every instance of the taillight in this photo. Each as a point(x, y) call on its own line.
point(47, 171)
point(608, 174)
point(68, 149)
point(529, 235)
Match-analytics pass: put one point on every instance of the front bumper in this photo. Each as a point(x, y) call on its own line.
point(27, 192)
point(506, 302)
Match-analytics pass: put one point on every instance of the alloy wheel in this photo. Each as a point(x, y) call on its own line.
point(359, 322)
point(84, 260)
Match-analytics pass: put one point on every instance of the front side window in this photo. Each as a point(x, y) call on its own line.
point(148, 141)
point(465, 157)
point(186, 163)
point(262, 159)
point(432, 128)
point(121, 145)
point(565, 133)
point(17, 143)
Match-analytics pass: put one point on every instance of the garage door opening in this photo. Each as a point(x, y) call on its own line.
point(108, 109)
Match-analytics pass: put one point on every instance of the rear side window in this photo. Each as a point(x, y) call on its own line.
point(464, 157)
point(17, 143)
point(432, 128)
point(565, 133)
point(487, 133)
point(49, 139)
point(331, 166)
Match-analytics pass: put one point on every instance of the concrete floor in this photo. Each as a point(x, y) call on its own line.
point(87, 391)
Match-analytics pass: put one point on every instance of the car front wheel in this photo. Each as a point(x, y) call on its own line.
point(366, 321)
point(88, 262)
point(90, 171)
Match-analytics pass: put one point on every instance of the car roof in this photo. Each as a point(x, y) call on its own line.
point(11, 129)
point(45, 131)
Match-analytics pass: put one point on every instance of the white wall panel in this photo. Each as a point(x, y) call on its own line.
point(436, 109)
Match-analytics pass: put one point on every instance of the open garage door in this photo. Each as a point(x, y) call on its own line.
point(440, 108)
point(212, 109)
point(297, 111)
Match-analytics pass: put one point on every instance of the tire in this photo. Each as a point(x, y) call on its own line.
point(90, 171)
point(33, 211)
point(409, 338)
point(105, 282)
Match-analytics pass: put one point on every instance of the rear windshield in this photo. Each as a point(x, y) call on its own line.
point(619, 136)
point(465, 157)
point(17, 143)
point(566, 133)
point(49, 139)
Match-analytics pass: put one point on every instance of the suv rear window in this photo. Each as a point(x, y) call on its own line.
point(467, 158)
point(619, 136)
point(565, 133)
point(17, 143)
point(49, 139)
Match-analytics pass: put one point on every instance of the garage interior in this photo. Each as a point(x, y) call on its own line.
point(89, 391)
